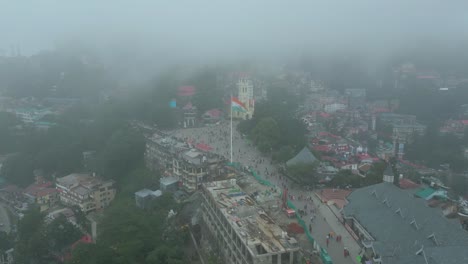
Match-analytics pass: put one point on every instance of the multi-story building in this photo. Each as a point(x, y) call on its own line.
point(393, 226)
point(243, 231)
point(246, 96)
point(333, 107)
point(86, 191)
point(316, 86)
point(189, 112)
point(42, 195)
point(161, 149)
point(396, 119)
point(191, 166)
point(405, 133)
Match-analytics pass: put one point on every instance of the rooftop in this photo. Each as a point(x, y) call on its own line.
point(402, 225)
point(305, 157)
point(39, 190)
point(146, 192)
point(261, 234)
point(85, 180)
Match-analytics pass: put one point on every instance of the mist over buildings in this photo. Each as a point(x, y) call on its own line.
point(161, 33)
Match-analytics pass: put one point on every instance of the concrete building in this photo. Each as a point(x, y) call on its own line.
point(43, 195)
point(246, 96)
point(316, 86)
point(242, 229)
point(394, 226)
point(86, 191)
point(333, 107)
point(187, 162)
point(192, 168)
point(169, 184)
point(397, 119)
point(143, 197)
point(189, 112)
point(161, 150)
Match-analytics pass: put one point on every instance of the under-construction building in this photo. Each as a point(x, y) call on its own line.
point(242, 229)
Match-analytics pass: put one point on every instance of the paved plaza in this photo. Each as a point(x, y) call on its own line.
point(325, 222)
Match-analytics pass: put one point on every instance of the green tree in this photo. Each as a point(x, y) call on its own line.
point(7, 136)
point(375, 174)
point(94, 254)
point(6, 241)
point(30, 246)
point(165, 255)
point(459, 184)
point(344, 178)
point(122, 153)
point(60, 233)
point(266, 134)
point(304, 172)
point(18, 169)
point(284, 154)
point(207, 95)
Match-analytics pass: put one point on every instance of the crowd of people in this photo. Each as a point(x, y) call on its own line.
point(244, 153)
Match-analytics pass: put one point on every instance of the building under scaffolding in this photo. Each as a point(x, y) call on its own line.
point(243, 230)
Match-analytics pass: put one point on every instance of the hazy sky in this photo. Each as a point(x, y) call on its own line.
point(212, 29)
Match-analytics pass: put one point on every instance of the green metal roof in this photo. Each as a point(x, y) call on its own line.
point(424, 193)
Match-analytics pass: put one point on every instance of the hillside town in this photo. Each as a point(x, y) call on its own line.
point(354, 165)
point(243, 133)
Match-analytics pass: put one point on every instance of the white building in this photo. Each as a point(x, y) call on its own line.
point(244, 232)
point(316, 86)
point(331, 108)
point(246, 96)
point(86, 191)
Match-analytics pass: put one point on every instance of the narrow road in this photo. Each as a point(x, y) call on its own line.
point(218, 137)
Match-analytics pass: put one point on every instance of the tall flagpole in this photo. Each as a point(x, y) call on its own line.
point(230, 105)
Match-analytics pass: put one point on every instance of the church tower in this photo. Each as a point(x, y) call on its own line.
point(245, 96)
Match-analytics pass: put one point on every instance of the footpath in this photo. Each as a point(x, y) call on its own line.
point(338, 228)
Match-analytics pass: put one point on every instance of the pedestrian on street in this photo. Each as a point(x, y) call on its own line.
point(328, 240)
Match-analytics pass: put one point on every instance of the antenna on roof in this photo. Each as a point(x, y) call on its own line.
point(433, 238)
point(385, 201)
point(398, 211)
point(421, 252)
point(374, 192)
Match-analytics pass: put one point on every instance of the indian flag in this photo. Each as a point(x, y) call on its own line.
point(237, 105)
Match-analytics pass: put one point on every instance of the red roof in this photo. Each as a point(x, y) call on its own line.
point(322, 148)
point(39, 190)
point(214, 113)
point(408, 184)
point(364, 156)
point(204, 147)
point(411, 164)
point(186, 90)
point(87, 239)
point(464, 122)
point(46, 192)
point(324, 115)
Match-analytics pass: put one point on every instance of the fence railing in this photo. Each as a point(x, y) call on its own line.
point(326, 259)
